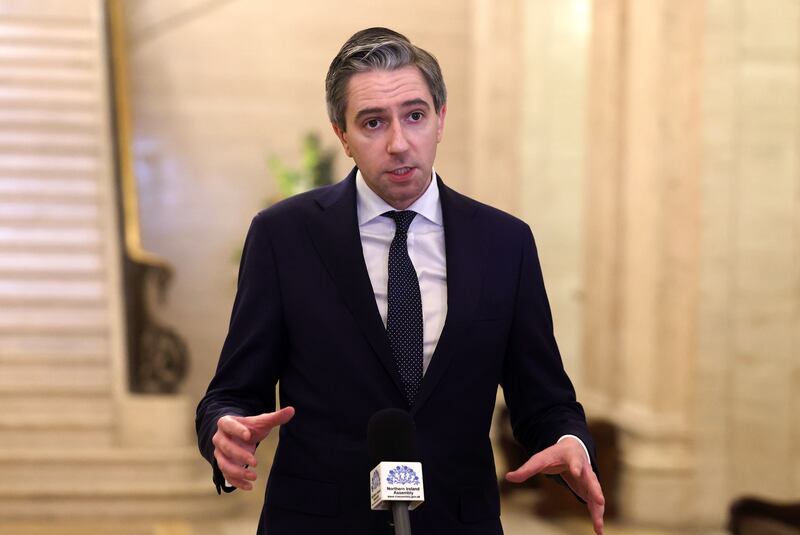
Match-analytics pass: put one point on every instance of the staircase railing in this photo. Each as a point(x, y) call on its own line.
point(158, 357)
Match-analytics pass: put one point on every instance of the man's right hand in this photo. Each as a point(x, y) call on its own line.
point(235, 443)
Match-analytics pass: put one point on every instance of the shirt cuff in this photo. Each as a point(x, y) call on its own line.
point(588, 458)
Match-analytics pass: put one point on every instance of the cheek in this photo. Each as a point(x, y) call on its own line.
point(370, 154)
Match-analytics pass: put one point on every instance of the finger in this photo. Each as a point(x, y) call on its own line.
point(231, 425)
point(596, 511)
point(587, 486)
point(268, 420)
point(572, 477)
point(239, 484)
point(247, 446)
point(595, 501)
point(242, 484)
point(233, 481)
point(232, 449)
point(533, 466)
point(233, 471)
point(576, 485)
point(594, 491)
point(575, 468)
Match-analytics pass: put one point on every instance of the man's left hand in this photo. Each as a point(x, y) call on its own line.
point(567, 459)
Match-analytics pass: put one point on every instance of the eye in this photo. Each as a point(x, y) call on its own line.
point(372, 124)
point(416, 116)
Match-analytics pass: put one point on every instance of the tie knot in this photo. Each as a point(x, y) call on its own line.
point(402, 219)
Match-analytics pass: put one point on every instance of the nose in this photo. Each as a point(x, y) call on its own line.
point(397, 139)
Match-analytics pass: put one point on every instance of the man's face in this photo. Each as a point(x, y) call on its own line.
point(392, 132)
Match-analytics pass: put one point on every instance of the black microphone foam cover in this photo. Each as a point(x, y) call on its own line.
point(392, 436)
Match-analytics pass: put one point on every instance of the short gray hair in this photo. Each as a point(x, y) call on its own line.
point(378, 49)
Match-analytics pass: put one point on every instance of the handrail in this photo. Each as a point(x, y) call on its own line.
point(158, 358)
point(130, 197)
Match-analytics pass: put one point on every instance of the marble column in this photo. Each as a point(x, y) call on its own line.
point(748, 429)
point(643, 243)
point(693, 286)
point(552, 150)
point(495, 102)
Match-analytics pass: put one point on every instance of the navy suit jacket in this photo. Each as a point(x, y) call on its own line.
point(305, 315)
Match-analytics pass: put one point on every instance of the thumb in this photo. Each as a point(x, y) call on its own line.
point(261, 424)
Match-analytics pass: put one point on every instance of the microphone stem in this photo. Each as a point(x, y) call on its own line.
point(402, 523)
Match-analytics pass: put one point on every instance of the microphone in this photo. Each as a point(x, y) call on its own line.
point(396, 480)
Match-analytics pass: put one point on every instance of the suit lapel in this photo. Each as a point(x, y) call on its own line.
point(334, 232)
point(464, 275)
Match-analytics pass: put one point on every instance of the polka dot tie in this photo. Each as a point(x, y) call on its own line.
point(404, 317)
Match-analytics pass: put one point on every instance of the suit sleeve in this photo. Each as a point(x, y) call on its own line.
point(539, 394)
point(250, 362)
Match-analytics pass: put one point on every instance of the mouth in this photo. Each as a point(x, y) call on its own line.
point(401, 173)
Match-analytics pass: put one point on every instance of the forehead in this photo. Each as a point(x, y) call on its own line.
point(386, 89)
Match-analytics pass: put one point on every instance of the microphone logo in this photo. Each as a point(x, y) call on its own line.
point(401, 475)
point(396, 482)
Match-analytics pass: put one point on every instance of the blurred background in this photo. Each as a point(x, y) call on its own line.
point(652, 145)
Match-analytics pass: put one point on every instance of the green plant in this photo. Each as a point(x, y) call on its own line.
point(316, 169)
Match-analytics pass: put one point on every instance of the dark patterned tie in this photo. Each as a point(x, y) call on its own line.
point(404, 316)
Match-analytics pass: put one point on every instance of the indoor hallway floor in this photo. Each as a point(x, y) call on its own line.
point(517, 520)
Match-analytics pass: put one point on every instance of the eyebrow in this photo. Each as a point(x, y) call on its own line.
point(406, 104)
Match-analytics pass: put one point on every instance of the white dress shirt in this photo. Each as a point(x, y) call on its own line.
point(425, 248)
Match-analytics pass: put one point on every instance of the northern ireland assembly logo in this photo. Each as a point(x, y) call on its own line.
point(392, 481)
point(402, 475)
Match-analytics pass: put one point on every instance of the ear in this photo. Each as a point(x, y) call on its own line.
point(440, 128)
point(342, 135)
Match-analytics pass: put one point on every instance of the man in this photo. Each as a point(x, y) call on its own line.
point(389, 289)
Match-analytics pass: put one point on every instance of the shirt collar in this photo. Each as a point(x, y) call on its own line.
point(369, 204)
